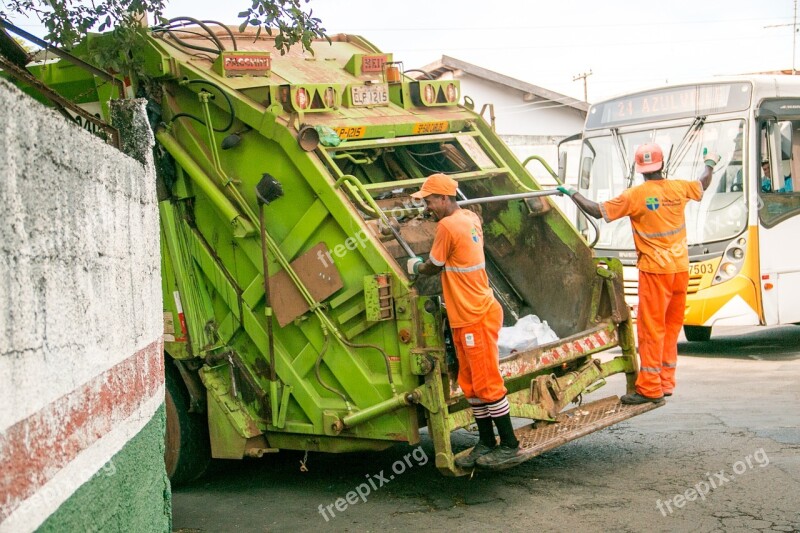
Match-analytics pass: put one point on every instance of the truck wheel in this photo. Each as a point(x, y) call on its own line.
point(187, 451)
point(697, 333)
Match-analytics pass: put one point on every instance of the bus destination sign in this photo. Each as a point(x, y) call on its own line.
point(671, 103)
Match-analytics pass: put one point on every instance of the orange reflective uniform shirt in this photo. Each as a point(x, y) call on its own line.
point(458, 247)
point(656, 208)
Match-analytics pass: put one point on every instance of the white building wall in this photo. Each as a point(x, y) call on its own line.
point(530, 128)
point(515, 116)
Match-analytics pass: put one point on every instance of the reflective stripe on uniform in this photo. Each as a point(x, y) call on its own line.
point(463, 270)
point(662, 234)
point(436, 261)
point(650, 369)
point(603, 212)
point(670, 365)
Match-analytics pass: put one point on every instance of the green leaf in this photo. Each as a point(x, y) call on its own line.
point(242, 26)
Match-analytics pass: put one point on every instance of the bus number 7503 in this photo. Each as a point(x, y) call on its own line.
point(700, 269)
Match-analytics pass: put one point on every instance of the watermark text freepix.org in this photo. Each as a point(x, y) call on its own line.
point(713, 481)
point(361, 238)
point(374, 482)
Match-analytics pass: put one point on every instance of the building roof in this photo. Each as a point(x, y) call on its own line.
point(451, 64)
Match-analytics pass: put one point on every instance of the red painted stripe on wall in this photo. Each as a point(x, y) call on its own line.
point(33, 450)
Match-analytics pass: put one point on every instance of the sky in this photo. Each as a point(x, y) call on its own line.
point(626, 45)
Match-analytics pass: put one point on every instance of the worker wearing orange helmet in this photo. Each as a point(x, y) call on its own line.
point(656, 210)
point(475, 318)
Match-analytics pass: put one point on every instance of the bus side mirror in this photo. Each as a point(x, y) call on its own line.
point(562, 167)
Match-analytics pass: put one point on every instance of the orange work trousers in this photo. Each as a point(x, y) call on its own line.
point(662, 304)
point(478, 358)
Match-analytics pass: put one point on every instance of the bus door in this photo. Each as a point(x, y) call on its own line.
point(779, 217)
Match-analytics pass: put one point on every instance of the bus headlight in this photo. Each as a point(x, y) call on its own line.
point(729, 269)
point(732, 261)
point(736, 253)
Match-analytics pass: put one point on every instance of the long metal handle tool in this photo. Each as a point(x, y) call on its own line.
point(507, 197)
point(400, 239)
point(474, 201)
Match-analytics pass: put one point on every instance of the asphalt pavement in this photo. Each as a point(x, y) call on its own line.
point(722, 455)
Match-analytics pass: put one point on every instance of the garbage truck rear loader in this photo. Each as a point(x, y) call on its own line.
point(286, 221)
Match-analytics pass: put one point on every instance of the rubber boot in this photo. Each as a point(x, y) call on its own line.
point(486, 444)
point(508, 453)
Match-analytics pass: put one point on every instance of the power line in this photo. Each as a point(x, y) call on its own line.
point(684, 42)
point(562, 26)
point(794, 34)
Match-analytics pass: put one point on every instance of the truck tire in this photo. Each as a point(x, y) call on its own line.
point(697, 333)
point(187, 451)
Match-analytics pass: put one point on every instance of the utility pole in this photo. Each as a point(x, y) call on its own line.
point(587, 74)
point(794, 35)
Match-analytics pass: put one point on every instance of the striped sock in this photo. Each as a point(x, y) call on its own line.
point(481, 410)
point(500, 411)
point(498, 408)
point(483, 419)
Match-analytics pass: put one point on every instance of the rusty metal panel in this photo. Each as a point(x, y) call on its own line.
point(321, 279)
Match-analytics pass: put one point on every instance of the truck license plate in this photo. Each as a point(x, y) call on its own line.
point(363, 95)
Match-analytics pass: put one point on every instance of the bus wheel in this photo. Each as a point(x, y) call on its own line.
point(187, 451)
point(697, 333)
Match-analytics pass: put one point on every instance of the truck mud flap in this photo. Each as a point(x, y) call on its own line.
point(537, 438)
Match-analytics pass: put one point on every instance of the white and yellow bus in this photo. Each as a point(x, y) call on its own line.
point(744, 236)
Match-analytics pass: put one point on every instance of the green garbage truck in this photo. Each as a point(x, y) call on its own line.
point(290, 322)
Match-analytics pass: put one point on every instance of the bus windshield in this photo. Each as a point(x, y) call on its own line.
point(720, 215)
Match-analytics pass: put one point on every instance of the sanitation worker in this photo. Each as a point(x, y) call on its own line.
point(475, 318)
point(656, 210)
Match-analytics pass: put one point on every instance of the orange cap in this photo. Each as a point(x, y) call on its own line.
point(437, 184)
point(649, 158)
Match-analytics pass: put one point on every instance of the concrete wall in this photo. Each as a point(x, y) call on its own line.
point(81, 364)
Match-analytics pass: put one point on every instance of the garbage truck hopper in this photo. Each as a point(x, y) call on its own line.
point(298, 169)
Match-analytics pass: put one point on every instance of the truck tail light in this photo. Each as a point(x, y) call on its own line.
point(451, 93)
point(429, 94)
point(301, 98)
point(329, 97)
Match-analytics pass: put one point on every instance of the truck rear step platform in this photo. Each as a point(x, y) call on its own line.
point(539, 437)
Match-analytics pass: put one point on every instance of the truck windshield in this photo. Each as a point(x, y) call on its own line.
point(719, 216)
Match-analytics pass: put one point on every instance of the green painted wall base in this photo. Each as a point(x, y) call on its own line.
point(129, 493)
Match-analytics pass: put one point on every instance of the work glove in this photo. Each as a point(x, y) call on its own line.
point(412, 265)
point(569, 191)
point(710, 158)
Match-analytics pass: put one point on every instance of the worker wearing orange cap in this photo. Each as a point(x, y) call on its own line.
point(656, 210)
point(475, 318)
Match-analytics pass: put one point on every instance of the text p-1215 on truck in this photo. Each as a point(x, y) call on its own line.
point(301, 166)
